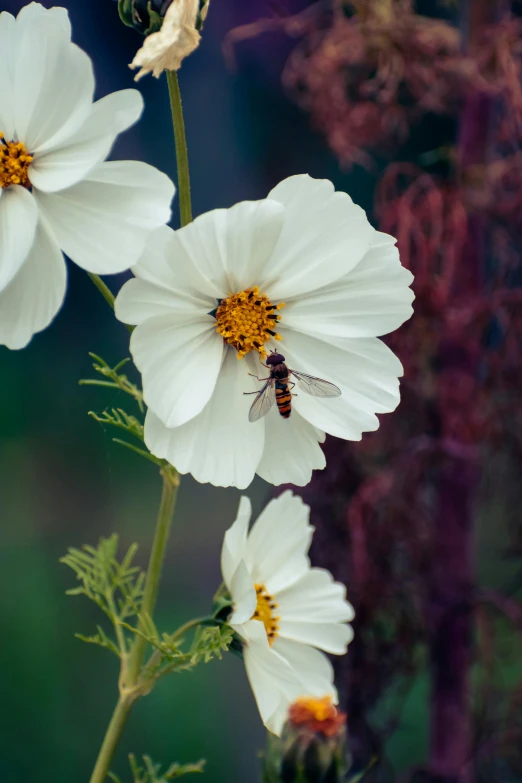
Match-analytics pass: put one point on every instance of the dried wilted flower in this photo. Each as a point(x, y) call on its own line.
point(364, 80)
point(178, 37)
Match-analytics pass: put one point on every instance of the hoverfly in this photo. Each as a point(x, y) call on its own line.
point(277, 388)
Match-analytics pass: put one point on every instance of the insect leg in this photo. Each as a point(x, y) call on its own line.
point(259, 379)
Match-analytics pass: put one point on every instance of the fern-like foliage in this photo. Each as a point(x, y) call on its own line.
point(115, 587)
point(114, 379)
point(148, 772)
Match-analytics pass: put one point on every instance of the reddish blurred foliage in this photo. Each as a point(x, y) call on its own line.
point(366, 79)
point(396, 514)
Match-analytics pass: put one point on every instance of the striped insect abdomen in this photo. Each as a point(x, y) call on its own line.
point(283, 399)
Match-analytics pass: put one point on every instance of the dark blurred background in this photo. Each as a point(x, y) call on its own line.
point(421, 125)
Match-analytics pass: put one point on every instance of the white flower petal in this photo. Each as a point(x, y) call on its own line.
point(58, 15)
point(323, 237)
point(162, 285)
point(34, 296)
point(276, 552)
point(8, 49)
point(180, 360)
point(311, 667)
point(103, 222)
point(315, 598)
point(365, 370)
point(291, 450)
point(229, 247)
point(331, 637)
point(234, 542)
point(53, 83)
point(219, 446)
point(65, 164)
point(18, 218)
point(372, 300)
point(271, 678)
point(243, 594)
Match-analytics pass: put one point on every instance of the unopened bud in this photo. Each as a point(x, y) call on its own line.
point(312, 747)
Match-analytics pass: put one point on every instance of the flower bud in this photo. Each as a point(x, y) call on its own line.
point(312, 747)
point(144, 15)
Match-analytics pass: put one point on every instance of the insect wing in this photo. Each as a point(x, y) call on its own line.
point(263, 402)
point(316, 387)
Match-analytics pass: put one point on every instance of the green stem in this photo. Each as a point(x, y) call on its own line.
point(129, 687)
point(107, 294)
point(166, 510)
point(111, 739)
point(104, 290)
point(185, 205)
point(129, 690)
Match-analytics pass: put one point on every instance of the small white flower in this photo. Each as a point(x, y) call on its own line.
point(285, 610)
point(342, 283)
point(178, 37)
point(56, 193)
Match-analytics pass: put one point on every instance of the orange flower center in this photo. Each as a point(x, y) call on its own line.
point(14, 163)
point(317, 715)
point(247, 320)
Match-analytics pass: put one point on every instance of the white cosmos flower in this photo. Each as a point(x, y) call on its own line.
point(342, 284)
point(285, 610)
point(56, 193)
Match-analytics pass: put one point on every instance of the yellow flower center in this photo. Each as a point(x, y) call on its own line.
point(265, 613)
point(14, 163)
point(319, 709)
point(319, 716)
point(246, 321)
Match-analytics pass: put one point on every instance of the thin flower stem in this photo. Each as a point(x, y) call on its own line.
point(166, 510)
point(131, 669)
point(129, 689)
point(104, 290)
point(112, 737)
point(107, 294)
point(185, 205)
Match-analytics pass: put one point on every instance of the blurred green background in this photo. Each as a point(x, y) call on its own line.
point(63, 483)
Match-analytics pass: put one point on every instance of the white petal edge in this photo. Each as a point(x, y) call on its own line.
point(234, 542)
point(219, 446)
point(373, 299)
point(291, 450)
point(56, 167)
point(243, 595)
point(103, 222)
point(324, 236)
point(180, 359)
point(35, 295)
point(53, 83)
point(18, 219)
point(277, 547)
point(229, 247)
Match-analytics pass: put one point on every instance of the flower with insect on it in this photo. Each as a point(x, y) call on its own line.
point(284, 610)
point(57, 195)
point(301, 271)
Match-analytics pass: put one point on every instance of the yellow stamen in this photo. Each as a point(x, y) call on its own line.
point(265, 613)
point(319, 709)
point(14, 163)
point(247, 320)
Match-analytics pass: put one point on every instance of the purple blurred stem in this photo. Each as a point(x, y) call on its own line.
point(450, 610)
